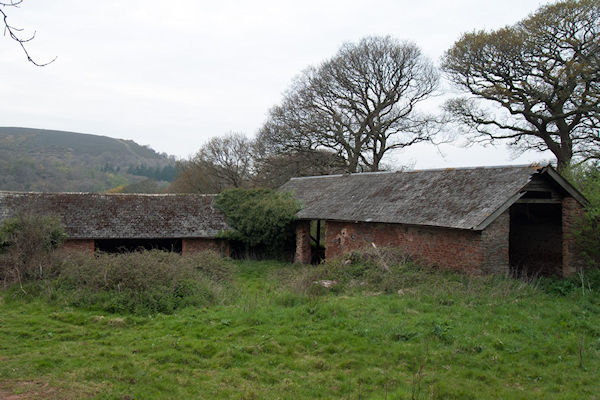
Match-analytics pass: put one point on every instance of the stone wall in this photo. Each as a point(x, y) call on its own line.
point(197, 244)
point(451, 248)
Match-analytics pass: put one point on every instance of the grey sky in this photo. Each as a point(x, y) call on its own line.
point(172, 74)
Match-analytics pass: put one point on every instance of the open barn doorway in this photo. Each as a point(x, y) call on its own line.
point(129, 245)
point(535, 241)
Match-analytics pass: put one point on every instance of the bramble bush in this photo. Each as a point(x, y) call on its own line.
point(145, 282)
point(26, 242)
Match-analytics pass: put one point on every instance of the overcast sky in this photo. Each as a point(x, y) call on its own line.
point(171, 74)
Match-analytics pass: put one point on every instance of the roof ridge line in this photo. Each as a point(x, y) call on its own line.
point(532, 165)
point(17, 192)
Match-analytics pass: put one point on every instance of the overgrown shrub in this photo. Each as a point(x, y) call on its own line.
point(388, 270)
point(585, 282)
point(381, 270)
point(144, 282)
point(25, 244)
point(261, 219)
point(587, 179)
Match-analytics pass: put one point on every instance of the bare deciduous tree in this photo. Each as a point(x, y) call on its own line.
point(360, 104)
point(16, 34)
point(273, 170)
point(543, 76)
point(192, 177)
point(223, 162)
point(228, 159)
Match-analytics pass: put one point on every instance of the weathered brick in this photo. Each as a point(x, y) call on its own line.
point(452, 248)
point(78, 245)
point(197, 245)
point(495, 245)
point(303, 249)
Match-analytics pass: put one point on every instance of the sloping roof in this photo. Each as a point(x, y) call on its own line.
point(122, 216)
point(463, 198)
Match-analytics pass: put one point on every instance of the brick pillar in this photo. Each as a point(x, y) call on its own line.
point(225, 248)
point(303, 251)
point(571, 259)
point(495, 242)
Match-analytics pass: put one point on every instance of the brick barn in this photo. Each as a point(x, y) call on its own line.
point(515, 219)
point(124, 222)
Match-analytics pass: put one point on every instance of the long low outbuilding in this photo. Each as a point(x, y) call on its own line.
point(507, 219)
point(124, 222)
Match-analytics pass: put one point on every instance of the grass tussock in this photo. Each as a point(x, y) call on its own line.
point(145, 282)
point(386, 271)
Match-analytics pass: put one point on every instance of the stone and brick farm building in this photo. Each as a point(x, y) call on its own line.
point(124, 222)
point(480, 220)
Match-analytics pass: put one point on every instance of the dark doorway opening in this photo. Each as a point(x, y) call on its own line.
point(129, 245)
point(535, 242)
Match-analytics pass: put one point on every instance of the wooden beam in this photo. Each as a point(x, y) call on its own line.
point(538, 201)
point(490, 218)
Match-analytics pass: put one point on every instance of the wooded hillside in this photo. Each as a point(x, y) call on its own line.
point(46, 160)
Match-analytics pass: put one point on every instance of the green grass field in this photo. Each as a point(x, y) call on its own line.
point(443, 336)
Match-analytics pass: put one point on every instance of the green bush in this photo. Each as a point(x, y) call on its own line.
point(25, 244)
point(261, 219)
point(585, 281)
point(587, 179)
point(146, 282)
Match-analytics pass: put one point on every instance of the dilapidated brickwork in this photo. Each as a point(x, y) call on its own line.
point(495, 245)
point(125, 222)
point(303, 249)
point(453, 248)
point(514, 219)
point(78, 245)
point(197, 245)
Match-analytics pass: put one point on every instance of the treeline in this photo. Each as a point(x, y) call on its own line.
point(165, 173)
point(534, 85)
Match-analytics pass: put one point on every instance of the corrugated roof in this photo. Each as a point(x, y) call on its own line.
point(460, 198)
point(122, 216)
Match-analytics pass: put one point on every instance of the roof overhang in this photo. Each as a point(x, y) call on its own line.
point(549, 172)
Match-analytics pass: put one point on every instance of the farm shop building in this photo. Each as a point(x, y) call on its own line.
point(517, 219)
point(125, 222)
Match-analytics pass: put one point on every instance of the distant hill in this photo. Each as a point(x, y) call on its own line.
point(46, 160)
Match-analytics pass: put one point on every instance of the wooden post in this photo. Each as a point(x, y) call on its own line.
point(318, 234)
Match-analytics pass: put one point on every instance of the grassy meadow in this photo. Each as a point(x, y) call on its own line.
point(264, 330)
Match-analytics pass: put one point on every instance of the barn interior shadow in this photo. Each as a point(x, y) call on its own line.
point(535, 241)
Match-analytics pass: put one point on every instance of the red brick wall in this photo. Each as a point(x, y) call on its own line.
point(571, 212)
point(451, 248)
point(78, 245)
point(303, 250)
point(495, 245)
point(196, 245)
